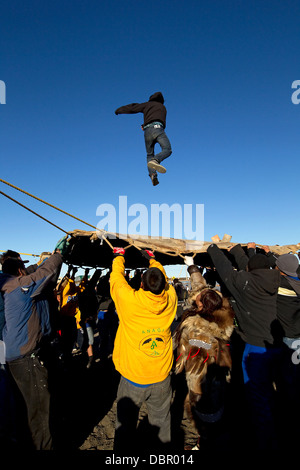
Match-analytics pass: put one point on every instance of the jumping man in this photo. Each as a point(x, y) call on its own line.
point(154, 131)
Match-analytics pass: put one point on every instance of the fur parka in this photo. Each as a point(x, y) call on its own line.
point(202, 341)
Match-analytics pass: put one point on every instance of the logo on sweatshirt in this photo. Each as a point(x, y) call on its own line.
point(153, 345)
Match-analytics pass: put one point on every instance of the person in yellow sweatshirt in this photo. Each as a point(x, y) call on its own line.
point(68, 296)
point(143, 350)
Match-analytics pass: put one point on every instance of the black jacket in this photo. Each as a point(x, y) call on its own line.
point(254, 297)
point(288, 307)
point(288, 303)
point(153, 110)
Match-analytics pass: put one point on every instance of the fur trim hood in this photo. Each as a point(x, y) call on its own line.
point(196, 327)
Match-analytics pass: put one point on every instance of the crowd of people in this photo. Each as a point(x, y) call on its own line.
point(237, 326)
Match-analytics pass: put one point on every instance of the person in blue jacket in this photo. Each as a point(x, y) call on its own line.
point(8, 434)
point(25, 333)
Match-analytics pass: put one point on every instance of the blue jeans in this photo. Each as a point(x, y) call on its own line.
point(260, 370)
point(156, 135)
point(130, 398)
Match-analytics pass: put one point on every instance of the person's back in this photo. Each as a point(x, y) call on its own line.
point(254, 301)
point(25, 293)
point(288, 311)
point(144, 330)
point(254, 294)
point(154, 125)
point(27, 325)
point(288, 307)
point(153, 110)
point(288, 297)
point(143, 351)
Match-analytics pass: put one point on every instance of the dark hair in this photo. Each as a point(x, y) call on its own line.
point(154, 280)
point(12, 266)
point(9, 254)
point(211, 301)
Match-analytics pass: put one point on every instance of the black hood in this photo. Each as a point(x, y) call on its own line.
point(158, 96)
point(266, 279)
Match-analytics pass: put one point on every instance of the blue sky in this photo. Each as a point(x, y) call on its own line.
point(226, 70)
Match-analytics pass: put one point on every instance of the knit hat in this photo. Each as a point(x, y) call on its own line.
point(258, 261)
point(288, 264)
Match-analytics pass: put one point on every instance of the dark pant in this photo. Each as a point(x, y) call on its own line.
point(7, 408)
point(31, 378)
point(156, 135)
point(290, 385)
point(68, 334)
point(290, 396)
point(129, 400)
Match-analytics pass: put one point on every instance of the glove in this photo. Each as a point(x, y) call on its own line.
point(148, 254)
point(189, 261)
point(119, 251)
point(63, 246)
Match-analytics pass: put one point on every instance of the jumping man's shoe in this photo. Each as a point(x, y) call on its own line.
point(154, 180)
point(154, 165)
